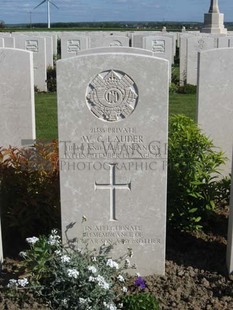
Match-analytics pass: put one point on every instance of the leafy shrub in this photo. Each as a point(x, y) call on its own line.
point(29, 188)
point(51, 79)
point(71, 276)
point(193, 165)
point(141, 301)
point(187, 89)
point(173, 88)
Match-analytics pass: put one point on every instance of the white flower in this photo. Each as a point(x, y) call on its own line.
point(23, 282)
point(22, 254)
point(102, 283)
point(12, 283)
point(64, 301)
point(32, 240)
point(91, 279)
point(111, 263)
point(92, 269)
point(65, 259)
point(121, 306)
point(72, 273)
point(124, 289)
point(58, 252)
point(54, 232)
point(82, 300)
point(110, 306)
point(120, 278)
point(54, 240)
point(94, 259)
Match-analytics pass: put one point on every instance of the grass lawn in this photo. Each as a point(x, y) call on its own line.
point(183, 104)
point(46, 116)
point(46, 112)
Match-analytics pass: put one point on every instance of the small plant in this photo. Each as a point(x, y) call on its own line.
point(71, 276)
point(29, 191)
point(51, 79)
point(141, 301)
point(187, 89)
point(193, 167)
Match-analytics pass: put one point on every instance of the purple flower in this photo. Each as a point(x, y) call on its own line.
point(140, 282)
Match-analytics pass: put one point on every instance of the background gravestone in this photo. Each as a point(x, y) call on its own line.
point(195, 45)
point(160, 46)
point(230, 231)
point(215, 93)
point(108, 41)
point(112, 147)
point(37, 45)
point(17, 117)
point(72, 45)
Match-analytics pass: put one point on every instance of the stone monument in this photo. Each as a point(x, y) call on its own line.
point(214, 20)
point(112, 119)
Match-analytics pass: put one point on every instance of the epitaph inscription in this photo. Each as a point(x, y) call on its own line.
point(32, 45)
point(158, 46)
point(112, 96)
point(73, 46)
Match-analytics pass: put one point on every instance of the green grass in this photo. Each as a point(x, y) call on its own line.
point(46, 112)
point(46, 116)
point(183, 104)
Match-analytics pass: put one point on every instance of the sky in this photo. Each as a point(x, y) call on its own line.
point(20, 11)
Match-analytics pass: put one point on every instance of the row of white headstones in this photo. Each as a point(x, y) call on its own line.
point(126, 95)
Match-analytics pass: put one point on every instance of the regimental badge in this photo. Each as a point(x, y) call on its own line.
point(112, 96)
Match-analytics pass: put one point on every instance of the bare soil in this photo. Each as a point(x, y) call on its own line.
point(196, 276)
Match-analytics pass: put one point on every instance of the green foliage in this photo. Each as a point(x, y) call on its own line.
point(223, 188)
point(141, 301)
point(193, 165)
point(29, 188)
point(187, 89)
point(51, 79)
point(71, 276)
point(173, 88)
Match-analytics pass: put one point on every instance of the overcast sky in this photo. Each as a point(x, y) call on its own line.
point(18, 11)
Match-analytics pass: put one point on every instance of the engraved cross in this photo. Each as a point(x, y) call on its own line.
point(112, 187)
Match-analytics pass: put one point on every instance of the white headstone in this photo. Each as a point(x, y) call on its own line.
point(108, 41)
point(112, 118)
point(1, 42)
point(17, 117)
point(230, 231)
point(161, 46)
point(194, 45)
point(37, 45)
point(117, 49)
point(72, 45)
point(9, 42)
point(215, 93)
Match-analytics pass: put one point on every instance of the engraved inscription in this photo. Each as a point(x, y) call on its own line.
point(158, 46)
point(115, 43)
point(201, 44)
point(112, 96)
point(73, 46)
point(112, 187)
point(32, 45)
